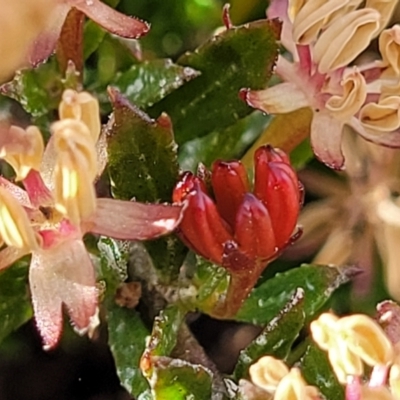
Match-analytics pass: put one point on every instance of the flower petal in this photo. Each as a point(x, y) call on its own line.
point(366, 338)
point(389, 47)
point(389, 139)
point(352, 98)
point(383, 116)
point(111, 20)
point(311, 18)
point(279, 9)
point(326, 138)
point(385, 9)
point(19, 194)
point(267, 372)
point(21, 21)
point(278, 99)
point(346, 38)
point(45, 44)
point(128, 220)
point(62, 275)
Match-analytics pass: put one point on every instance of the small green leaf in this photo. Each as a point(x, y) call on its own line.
point(93, 34)
point(241, 57)
point(143, 165)
point(211, 282)
point(317, 281)
point(126, 330)
point(277, 338)
point(179, 380)
point(167, 254)
point(227, 144)
point(148, 82)
point(15, 306)
point(38, 90)
point(317, 371)
point(142, 154)
point(127, 339)
point(113, 264)
point(165, 332)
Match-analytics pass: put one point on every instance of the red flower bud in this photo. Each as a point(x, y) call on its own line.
point(276, 185)
point(230, 184)
point(202, 228)
point(240, 230)
point(253, 229)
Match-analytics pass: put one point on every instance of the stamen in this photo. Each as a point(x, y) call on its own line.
point(75, 170)
point(25, 151)
point(82, 107)
point(15, 228)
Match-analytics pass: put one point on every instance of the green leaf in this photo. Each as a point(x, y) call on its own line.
point(127, 339)
point(143, 165)
point(93, 34)
point(165, 332)
point(241, 57)
point(112, 271)
point(167, 254)
point(141, 152)
point(38, 90)
point(15, 306)
point(148, 82)
point(316, 370)
point(126, 330)
point(277, 338)
point(172, 378)
point(317, 281)
point(212, 282)
point(179, 380)
point(227, 144)
point(301, 155)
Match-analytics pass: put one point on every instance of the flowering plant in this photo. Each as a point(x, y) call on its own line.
point(189, 198)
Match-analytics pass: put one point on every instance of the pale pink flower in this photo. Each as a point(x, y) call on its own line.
point(58, 206)
point(324, 38)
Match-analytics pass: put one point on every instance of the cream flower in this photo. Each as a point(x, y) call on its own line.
point(351, 340)
point(346, 38)
point(273, 376)
point(324, 37)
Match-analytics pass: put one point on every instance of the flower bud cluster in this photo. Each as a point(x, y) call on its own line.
point(240, 226)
